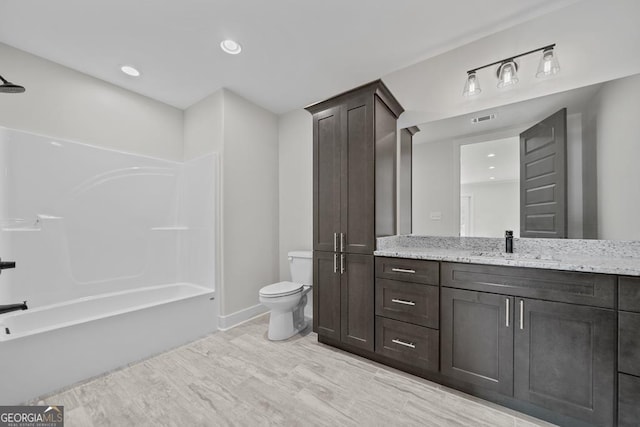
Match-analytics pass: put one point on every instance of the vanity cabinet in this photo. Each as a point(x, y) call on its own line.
point(407, 308)
point(564, 359)
point(629, 352)
point(477, 338)
point(344, 299)
point(556, 355)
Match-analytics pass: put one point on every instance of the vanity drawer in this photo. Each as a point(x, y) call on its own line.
point(628, 401)
point(408, 270)
point(409, 302)
point(629, 294)
point(415, 345)
point(629, 343)
point(598, 290)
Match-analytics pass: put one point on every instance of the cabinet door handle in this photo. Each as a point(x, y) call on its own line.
point(341, 264)
point(506, 302)
point(521, 314)
point(335, 263)
point(342, 239)
point(403, 270)
point(403, 301)
point(404, 343)
point(335, 242)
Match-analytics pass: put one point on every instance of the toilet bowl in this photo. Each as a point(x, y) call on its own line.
point(287, 300)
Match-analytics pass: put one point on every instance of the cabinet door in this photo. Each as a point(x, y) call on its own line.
point(327, 146)
point(358, 177)
point(565, 359)
point(476, 341)
point(628, 401)
point(326, 294)
point(357, 300)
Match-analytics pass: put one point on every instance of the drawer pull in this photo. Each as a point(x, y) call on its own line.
point(403, 270)
point(404, 343)
point(403, 301)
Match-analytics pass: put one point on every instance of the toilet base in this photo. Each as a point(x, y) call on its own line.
point(285, 322)
point(281, 326)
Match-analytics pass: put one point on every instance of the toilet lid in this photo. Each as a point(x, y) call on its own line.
point(280, 289)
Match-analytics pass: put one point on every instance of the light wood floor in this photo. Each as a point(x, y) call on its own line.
point(239, 378)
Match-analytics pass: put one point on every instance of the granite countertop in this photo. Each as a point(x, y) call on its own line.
point(584, 256)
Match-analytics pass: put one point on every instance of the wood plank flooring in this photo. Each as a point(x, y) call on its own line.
point(239, 378)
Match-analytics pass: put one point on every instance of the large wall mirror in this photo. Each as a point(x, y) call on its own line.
point(565, 165)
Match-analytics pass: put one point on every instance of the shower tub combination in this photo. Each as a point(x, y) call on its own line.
point(114, 254)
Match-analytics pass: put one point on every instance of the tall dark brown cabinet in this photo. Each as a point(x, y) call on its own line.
point(354, 201)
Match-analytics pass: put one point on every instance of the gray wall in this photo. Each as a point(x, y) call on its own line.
point(296, 185)
point(618, 151)
point(434, 189)
point(66, 104)
point(246, 138)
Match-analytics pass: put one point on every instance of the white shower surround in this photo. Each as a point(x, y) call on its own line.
point(120, 246)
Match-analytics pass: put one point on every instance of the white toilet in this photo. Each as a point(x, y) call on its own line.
point(288, 300)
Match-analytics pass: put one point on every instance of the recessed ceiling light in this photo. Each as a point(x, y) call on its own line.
point(492, 167)
point(492, 177)
point(130, 71)
point(491, 155)
point(231, 47)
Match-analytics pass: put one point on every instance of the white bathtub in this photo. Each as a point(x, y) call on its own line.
point(50, 347)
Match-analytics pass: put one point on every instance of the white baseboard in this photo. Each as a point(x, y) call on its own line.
point(234, 319)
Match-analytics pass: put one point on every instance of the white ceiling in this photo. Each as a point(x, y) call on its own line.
point(296, 52)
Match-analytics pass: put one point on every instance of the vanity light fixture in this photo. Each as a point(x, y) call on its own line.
point(507, 71)
point(507, 74)
point(472, 86)
point(231, 47)
point(549, 65)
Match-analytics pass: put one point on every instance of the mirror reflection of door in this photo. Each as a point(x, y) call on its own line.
point(543, 177)
point(490, 187)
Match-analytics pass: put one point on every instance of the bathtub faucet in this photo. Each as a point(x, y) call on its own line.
point(13, 307)
point(6, 264)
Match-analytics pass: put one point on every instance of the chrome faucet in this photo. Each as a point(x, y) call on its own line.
point(508, 238)
point(13, 307)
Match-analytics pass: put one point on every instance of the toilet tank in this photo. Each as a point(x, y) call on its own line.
point(301, 267)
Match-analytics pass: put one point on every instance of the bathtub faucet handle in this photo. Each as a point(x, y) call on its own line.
point(13, 307)
point(6, 264)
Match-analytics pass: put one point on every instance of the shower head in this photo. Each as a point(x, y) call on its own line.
point(8, 87)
